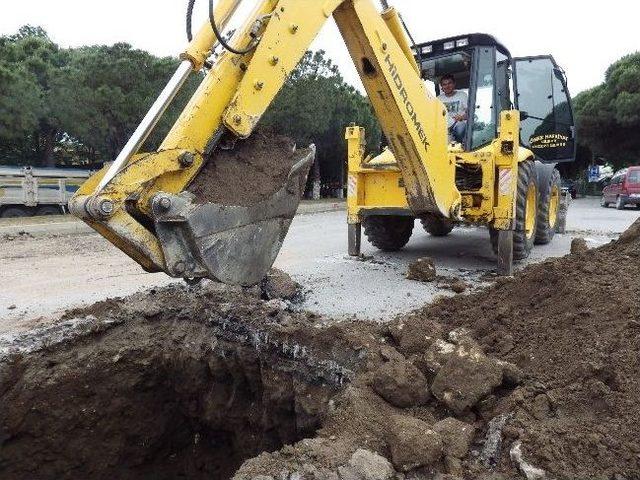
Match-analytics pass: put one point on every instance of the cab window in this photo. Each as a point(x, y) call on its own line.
point(457, 64)
point(483, 127)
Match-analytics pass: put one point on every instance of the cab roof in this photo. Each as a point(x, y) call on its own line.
point(436, 48)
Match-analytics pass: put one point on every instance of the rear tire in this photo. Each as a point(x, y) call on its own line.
point(388, 233)
point(548, 207)
point(435, 226)
point(49, 210)
point(526, 212)
point(619, 203)
point(15, 212)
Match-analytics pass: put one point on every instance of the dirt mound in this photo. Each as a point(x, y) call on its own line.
point(534, 376)
point(253, 170)
point(572, 325)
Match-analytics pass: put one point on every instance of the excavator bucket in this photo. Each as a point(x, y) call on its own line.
point(229, 243)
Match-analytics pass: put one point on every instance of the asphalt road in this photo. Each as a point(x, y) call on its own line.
point(50, 270)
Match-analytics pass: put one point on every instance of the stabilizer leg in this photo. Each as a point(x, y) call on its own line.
point(505, 252)
point(354, 235)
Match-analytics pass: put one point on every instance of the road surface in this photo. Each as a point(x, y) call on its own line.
point(49, 270)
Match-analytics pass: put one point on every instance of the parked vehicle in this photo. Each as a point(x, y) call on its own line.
point(27, 191)
point(624, 189)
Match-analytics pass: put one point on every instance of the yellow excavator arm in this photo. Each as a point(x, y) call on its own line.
point(139, 202)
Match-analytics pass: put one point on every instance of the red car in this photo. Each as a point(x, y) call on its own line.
point(624, 189)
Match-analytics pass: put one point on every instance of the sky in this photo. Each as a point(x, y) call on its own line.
point(584, 37)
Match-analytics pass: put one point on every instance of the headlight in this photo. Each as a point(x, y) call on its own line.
point(463, 42)
point(427, 49)
point(449, 45)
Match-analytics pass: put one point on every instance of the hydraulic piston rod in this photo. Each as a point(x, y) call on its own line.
point(192, 59)
point(148, 122)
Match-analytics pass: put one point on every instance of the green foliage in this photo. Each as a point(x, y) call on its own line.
point(608, 116)
point(78, 106)
point(104, 91)
point(29, 62)
point(315, 106)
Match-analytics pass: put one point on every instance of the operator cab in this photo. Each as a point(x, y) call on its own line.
point(484, 69)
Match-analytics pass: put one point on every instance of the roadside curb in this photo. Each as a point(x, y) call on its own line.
point(308, 208)
point(67, 225)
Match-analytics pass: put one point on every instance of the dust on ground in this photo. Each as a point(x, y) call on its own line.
point(533, 377)
point(252, 171)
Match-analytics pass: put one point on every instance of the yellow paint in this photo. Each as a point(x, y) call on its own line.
point(417, 173)
point(263, 78)
point(394, 23)
point(531, 211)
point(554, 204)
point(200, 47)
point(384, 159)
point(411, 118)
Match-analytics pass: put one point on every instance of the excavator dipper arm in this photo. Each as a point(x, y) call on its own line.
point(139, 203)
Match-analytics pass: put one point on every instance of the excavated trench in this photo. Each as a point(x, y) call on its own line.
point(532, 377)
point(138, 389)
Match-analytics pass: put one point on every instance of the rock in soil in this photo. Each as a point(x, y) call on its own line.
point(279, 285)
point(456, 436)
point(578, 245)
point(401, 384)
point(413, 443)
point(368, 465)
point(529, 471)
point(466, 378)
point(422, 270)
point(459, 286)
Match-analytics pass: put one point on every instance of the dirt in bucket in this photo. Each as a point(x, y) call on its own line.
point(252, 171)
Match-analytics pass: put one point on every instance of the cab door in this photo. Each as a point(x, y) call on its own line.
point(547, 125)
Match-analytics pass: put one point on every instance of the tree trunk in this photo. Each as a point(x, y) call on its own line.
point(46, 144)
point(316, 180)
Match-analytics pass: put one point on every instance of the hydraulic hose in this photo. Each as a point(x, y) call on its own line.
point(190, 5)
point(222, 41)
point(214, 27)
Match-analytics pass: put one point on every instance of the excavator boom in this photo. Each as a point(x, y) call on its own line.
point(140, 202)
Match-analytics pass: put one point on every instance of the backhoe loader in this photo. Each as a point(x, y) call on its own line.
point(494, 177)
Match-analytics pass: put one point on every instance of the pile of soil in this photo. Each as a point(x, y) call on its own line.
point(253, 170)
point(535, 377)
point(572, 325)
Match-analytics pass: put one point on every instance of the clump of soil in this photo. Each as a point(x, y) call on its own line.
point(423, 270)
point(572, 327)
point(536, 375)
point(578, 245)
point(252, 171)
point(279, 285)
